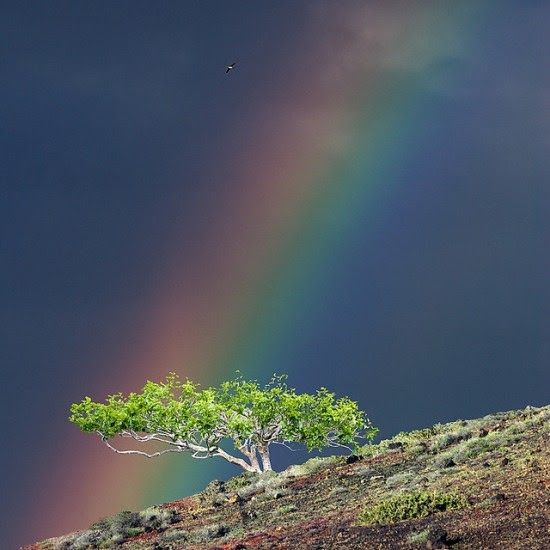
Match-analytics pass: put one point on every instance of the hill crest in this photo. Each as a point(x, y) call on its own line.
point(481, 483)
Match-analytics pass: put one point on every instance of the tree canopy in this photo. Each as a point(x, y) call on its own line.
point(179, 416)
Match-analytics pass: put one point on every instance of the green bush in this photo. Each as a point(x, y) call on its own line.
point(411, 505)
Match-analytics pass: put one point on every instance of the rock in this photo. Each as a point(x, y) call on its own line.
point(437, 537)
point(445, 462)
point(352, 459)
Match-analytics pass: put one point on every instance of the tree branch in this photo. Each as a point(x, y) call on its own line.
point(141, 453)
point(234, 460)
point(284, 444)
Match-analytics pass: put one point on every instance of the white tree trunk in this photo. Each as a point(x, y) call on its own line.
point(238, 461)
point(266, 461)
point(250, 452)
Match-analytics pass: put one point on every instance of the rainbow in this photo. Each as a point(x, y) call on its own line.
point(323, 160)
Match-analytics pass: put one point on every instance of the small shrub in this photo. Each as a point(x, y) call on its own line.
point(418, 448)
point(312, 466)
point(491, 442)
point(364, 471)
point(156, 518)
point(276, 492)
point(432, 537)
point(368, 450)
point(415, 442)
point(411, 505)
point(213, 491)
point(421, 537)
point(101, 524)
point(88, 539)
point(124, 520)
point(175, 536)
point(339, 490)
point(415, 435)
point(449, 438)
point(264, 483)
point(445, 460)
point(119, 538)
point(474, 447)
point(287, 509)
point(115, 530)
point(400, 479)
point(210, 532)
point(240, 481)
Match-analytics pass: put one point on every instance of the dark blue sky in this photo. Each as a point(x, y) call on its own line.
point(113, 118)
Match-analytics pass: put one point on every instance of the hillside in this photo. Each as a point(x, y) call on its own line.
point(481, 483)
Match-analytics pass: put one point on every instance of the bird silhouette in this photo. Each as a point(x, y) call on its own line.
point(230, 67)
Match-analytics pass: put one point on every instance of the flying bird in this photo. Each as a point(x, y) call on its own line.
point(229, 67)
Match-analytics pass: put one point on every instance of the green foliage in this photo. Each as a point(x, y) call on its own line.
point(411, 505)
point(303, 418)
point(238, 410)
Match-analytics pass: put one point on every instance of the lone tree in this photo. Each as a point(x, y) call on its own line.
point(181, 417)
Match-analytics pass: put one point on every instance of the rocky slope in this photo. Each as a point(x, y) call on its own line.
point(481, 483)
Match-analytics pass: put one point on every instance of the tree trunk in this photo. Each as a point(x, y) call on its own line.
point(250, 452)
point(254, 458)
point(238, 461)
point(266, 461)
